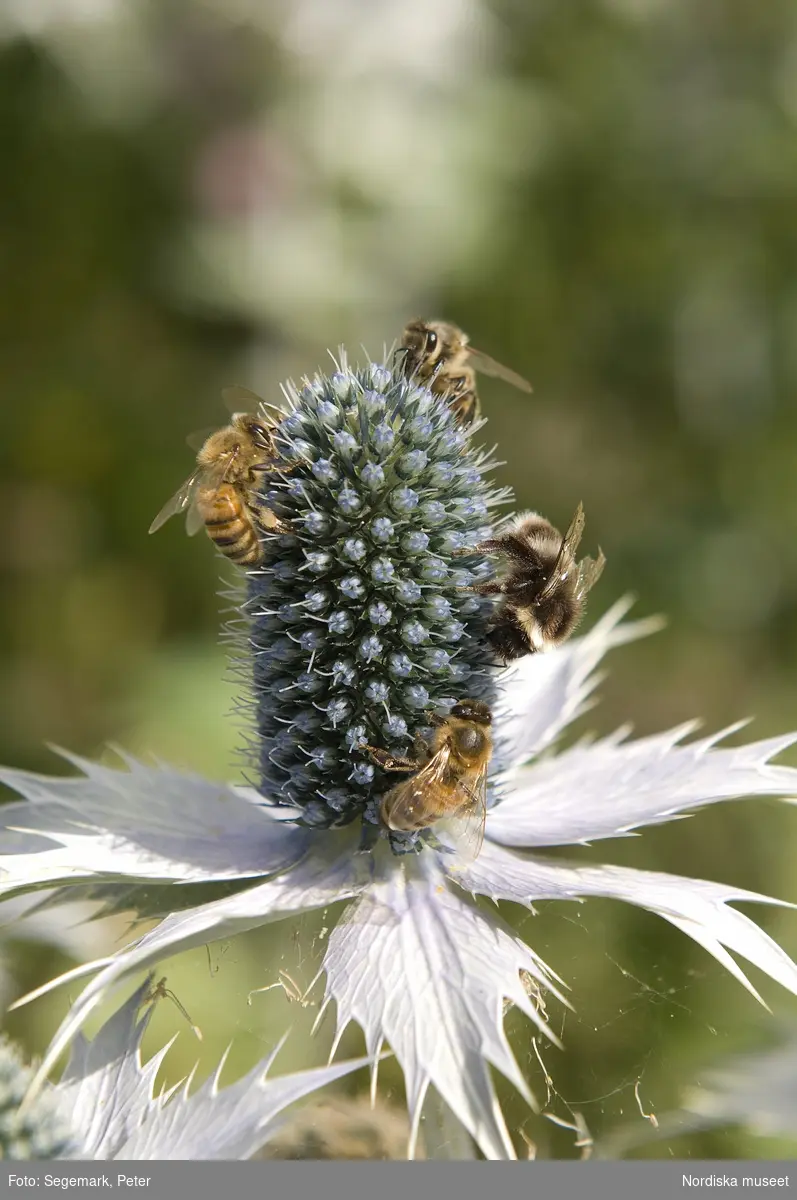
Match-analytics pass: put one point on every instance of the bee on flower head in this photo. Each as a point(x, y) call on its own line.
point(447, 781)
point(439, 354)
point(542, 588)
point(221, 493)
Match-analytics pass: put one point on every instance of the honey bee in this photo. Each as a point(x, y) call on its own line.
point(543, 588)
point(448, 780)
point(221, 493)
point(439, 354)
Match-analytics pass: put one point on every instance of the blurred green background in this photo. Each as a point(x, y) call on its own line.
point(603, 194)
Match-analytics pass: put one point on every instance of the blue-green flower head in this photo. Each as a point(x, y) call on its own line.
point(41, 1130)
point(360, 623)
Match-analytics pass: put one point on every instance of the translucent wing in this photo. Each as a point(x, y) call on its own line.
point(565, 559)
point(575, 532)
point(488, 366)
point(183, 498)
point(193, 521)
point(467, 825)
point(177, 503)
point(419, 801)
point(197, 439)
point(242, 399)
point(589, 572)
point(426, 799)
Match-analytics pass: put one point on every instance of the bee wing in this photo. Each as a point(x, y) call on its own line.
point(589, 572)
point(209, 477)
point(242, 399)
point(415, 792)
point(177, 503)
point(193, 521)
point(197, 439)
point(467, 826)
point(488, 366)
point(566, 555)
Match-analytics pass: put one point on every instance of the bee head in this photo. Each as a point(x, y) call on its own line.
point(259, 433)
point(472, 710)
point(413, 341)
point(423, 342)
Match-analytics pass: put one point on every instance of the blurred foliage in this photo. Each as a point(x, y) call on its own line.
point(603, 194)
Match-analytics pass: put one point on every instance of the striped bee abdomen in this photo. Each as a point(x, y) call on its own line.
point(229, 524)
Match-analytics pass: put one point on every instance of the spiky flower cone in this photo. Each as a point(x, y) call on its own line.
point(360, 624)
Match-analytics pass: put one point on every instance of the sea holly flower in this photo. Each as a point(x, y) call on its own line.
point(375, 557)
point(413, 961)
point(105, 1105)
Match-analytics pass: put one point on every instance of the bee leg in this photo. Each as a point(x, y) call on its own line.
point(422, 749)
point(509, 641)
point(490, 546)
point(272, 523)
point(274, 466)
point(490, 587)
point(391, 762)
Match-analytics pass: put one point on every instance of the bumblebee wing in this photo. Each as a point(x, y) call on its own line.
point(467, 826)
point(488, 366)
point(574, 534)
point(177, 503)
point(589, 572)
point(411, 796)
point(565, 558)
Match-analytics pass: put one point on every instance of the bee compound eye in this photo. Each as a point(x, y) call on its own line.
point(259, 434)
point(431, 340)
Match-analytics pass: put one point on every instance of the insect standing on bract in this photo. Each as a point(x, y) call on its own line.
point(159, 991)
point(293, 993)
